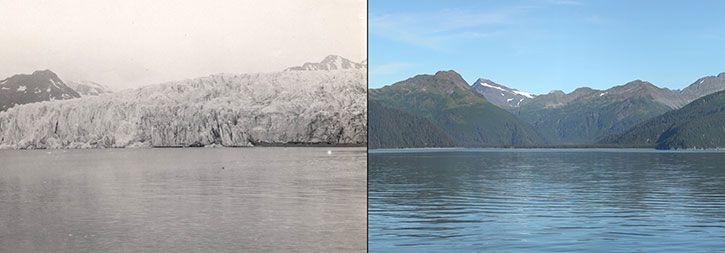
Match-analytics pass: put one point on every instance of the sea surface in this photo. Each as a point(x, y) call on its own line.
point(183, 200)
point(512, 200)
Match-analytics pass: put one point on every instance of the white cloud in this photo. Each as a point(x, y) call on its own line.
point(439, 29)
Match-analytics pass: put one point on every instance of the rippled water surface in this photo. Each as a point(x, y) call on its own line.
point(183, 200)
point(546, 201)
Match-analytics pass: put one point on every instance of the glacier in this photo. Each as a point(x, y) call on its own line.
point(223, 109)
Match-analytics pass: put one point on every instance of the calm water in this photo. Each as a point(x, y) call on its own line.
point(181, 200)
point(546, 201)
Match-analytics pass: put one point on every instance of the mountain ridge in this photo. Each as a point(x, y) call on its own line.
point(449, 103)
point(41, 85)
point(586, 115)
point(699, 124)
point(330, 62)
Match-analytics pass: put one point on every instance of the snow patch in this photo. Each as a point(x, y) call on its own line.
point(519, 103)
point(525, 94)
point(56, 84)
point(509, 100)
point(22, 88)
point(485, 84)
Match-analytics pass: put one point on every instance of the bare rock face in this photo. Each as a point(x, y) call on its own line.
point(500, 95)
point(229, 110)
point(704, 86)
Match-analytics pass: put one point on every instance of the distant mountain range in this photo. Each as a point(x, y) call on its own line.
point(586, 115)
point(324, 107)
point(511, 98)
point(700, 124)
point(42, 85)
point(89, 88)
point(447, 110)
point(583, 117)
point(331, 62)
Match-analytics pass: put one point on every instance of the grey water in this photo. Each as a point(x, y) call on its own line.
point(499, 200)
point(183, 200)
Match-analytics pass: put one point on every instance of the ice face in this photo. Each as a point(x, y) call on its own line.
point(224, 109)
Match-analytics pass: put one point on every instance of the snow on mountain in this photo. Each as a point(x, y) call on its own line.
point(42, 85)
point(501, 95)
point(229, 110)
point(525, 94)
point(331, 62)
point(88, 88)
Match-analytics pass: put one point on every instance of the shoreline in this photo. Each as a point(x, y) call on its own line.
point(256, 145)
point(583, 149)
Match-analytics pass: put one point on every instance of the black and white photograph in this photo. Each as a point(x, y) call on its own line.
point(183, 126)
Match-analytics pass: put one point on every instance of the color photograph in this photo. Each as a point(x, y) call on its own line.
point(546, 126)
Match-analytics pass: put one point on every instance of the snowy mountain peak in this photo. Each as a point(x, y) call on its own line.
point(501, 95)
point(89, 88)
point(333, 59)
point(331, 62)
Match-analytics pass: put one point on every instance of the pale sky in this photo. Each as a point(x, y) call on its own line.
point(131, 43)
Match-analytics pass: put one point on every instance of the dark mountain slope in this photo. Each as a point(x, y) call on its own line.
point(452, 105)
point(40, 86)
point(700, 124)
point(586, 115)
point(394, 128)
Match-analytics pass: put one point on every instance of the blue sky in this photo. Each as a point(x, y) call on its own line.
point(543, 45)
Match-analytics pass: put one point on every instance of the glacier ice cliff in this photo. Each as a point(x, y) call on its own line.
point(224, 109)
